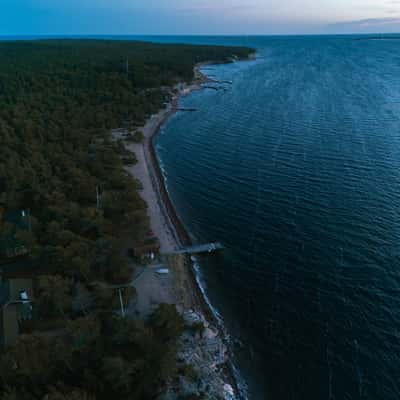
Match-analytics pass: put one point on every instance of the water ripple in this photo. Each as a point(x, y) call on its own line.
point(296, 168)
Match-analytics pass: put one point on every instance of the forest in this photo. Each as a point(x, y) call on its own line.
point(59, 100)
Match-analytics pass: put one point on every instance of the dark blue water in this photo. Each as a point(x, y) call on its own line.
point(295, 167)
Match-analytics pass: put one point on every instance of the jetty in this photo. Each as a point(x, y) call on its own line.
point(198, 249)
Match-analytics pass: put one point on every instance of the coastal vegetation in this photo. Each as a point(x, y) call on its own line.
point(59, 101)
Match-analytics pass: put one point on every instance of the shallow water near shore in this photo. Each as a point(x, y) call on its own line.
point(295, 168)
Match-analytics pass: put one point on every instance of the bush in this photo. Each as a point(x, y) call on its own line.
point(129, 159)
point(167, 322)
point(138, 137)
point(118, 271)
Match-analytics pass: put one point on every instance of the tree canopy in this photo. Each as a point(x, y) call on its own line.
point(59, 99)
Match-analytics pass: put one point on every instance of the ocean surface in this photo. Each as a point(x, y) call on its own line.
point(295, 168)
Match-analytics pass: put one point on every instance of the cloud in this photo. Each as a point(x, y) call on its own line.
point(375, 21)
point(389, 24)
point(199, 16)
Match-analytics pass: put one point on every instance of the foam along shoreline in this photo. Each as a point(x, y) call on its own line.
point(209, 353)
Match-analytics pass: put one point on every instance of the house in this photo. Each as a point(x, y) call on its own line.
point(17, 284)
point(17, 275)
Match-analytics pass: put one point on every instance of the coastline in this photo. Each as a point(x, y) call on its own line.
point(172, 234)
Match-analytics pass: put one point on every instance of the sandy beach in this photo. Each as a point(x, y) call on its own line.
point(182, 289)
point(209, 352)
point(164, 222)
point(153, 289)
point(144, 172)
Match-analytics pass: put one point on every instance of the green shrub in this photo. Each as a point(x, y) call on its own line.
point(138, 137)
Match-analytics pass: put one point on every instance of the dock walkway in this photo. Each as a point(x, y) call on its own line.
point(197, 249)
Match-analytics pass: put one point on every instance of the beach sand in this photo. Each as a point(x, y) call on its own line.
point(179, 287)
point(143, 171)
point(163, 220)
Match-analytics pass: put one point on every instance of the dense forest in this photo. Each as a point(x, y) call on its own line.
point(59, 100)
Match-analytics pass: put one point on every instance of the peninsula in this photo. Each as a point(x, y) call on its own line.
point(89, 306)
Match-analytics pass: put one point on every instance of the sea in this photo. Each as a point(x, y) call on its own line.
point(292, 162)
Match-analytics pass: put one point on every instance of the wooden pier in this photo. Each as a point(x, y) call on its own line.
point(198, 249)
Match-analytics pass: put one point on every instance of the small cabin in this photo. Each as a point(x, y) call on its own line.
point(17, 295)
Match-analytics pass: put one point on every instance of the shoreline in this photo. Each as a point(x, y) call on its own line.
point(171, 231)
point(175, 224)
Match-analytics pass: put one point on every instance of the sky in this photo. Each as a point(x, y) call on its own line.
point(213, 17)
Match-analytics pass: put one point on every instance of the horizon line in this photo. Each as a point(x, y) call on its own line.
point(198, 34)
